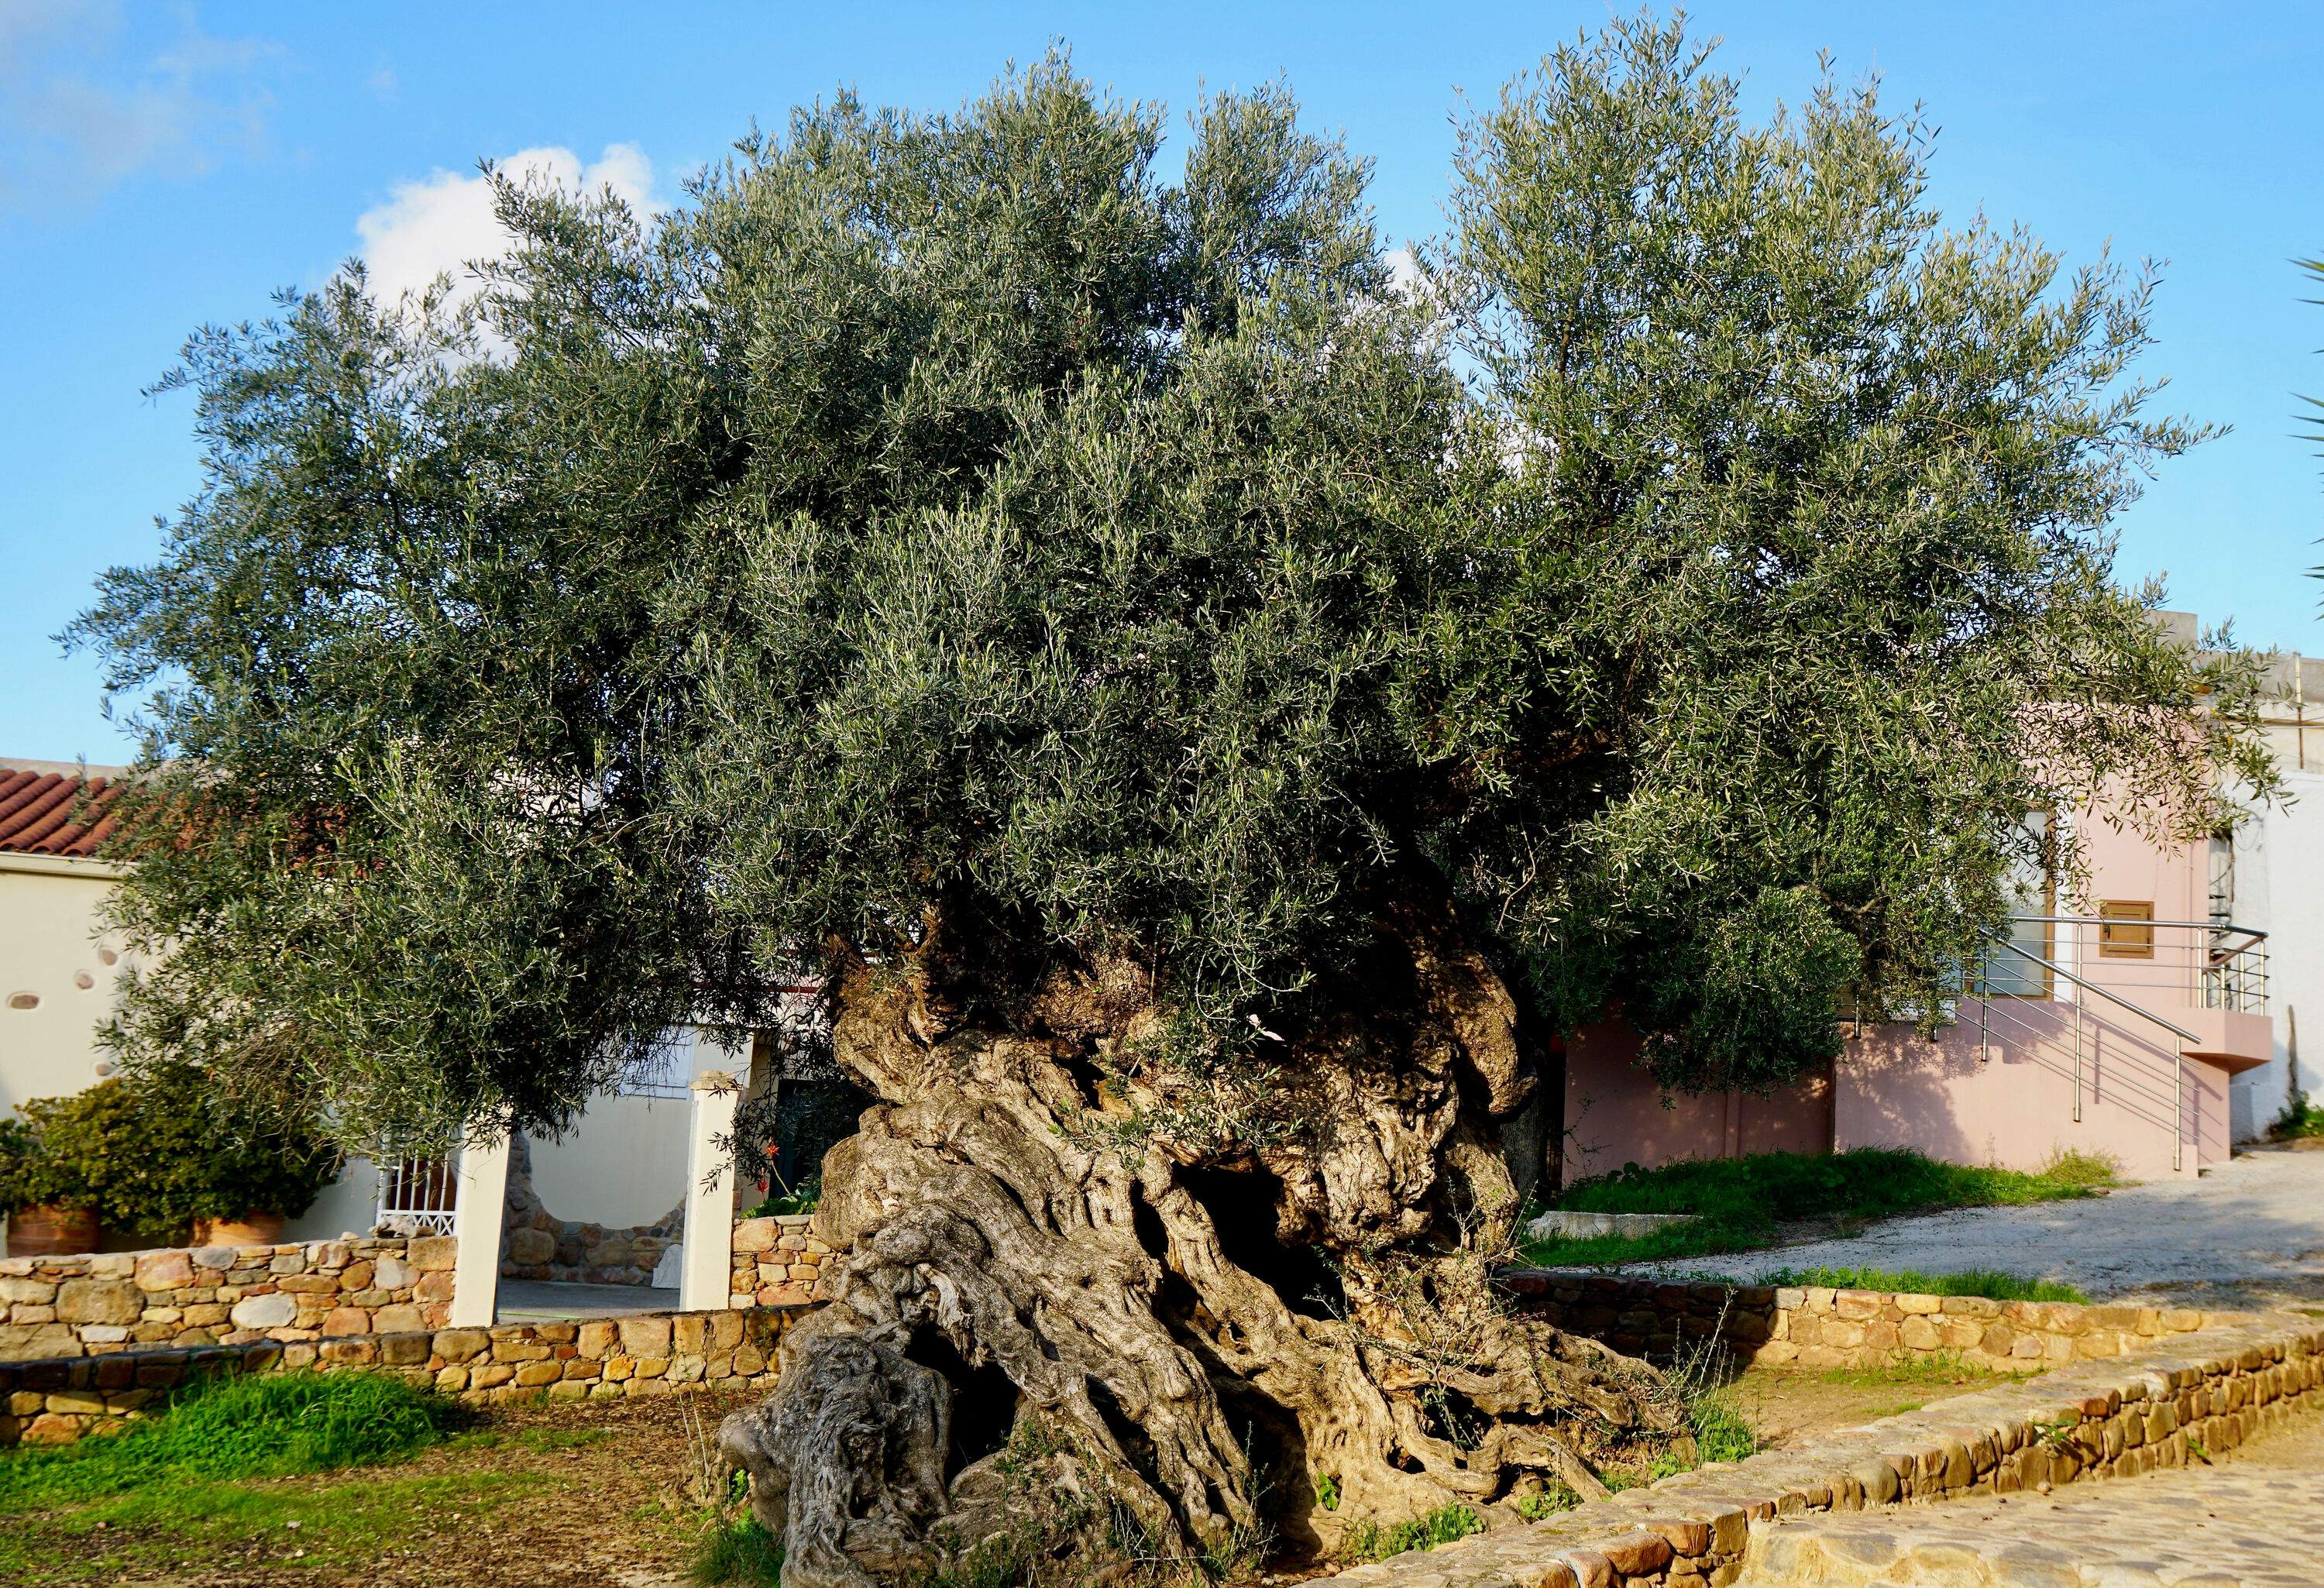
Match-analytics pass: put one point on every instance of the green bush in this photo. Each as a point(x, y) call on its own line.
point(154, 1155)
point(803, 1197)
point(29, 1177)
point(2300, 1118)
point(264, 1425)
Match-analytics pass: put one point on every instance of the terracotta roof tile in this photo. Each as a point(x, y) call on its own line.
point(51, 813)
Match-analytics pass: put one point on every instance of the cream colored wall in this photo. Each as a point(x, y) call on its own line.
point(47, 914)
point(48, 921)
point(625, 1164)
point(348, 1205)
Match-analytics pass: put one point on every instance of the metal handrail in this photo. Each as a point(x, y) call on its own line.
point(2109, 920)
point(2254, 936)
point(2181, 1032)
point(2177, 1054)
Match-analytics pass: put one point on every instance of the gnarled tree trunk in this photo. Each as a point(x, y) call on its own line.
point(1192, 1348)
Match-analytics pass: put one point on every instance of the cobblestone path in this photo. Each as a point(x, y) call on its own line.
point(2250, 1518)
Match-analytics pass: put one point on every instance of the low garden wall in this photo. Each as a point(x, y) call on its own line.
point(1816, 1328)
point(95, 1304)
point(776, 1263)
point(2190, 1394)
point(57, 1401)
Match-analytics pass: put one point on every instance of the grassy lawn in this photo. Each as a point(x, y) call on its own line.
point(332, 1481)
point(1993, 1283)
point(1742, 1203)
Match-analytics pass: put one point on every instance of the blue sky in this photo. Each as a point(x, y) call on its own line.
point(161, 167)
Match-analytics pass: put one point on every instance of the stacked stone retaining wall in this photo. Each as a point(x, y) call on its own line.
point(57, 1401)
point(536, 1244)
point(2174, 1400)
point(776, 1263)
point(93, 1304)
point(1818, 1327)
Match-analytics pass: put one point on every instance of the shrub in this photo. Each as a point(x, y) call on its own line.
point(29, 1177)
point(154, 1155)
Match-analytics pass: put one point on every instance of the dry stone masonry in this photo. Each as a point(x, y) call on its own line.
point(57, 1401)
point(2176, 1399)
point(1815, 1327)
point(536, 1244)
point(776, 1263)
point(94, 1304)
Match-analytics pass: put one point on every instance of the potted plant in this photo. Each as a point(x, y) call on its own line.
point(50, 1210)
point(156, 1159)
point(199, 1163)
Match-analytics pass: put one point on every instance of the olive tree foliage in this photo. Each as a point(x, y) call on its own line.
point(934, 504)
point(1205, 713)
point(1799, 596)
point(949, 512)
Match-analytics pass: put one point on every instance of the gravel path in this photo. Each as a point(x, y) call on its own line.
point(2248, 1233)
point(2247, 1522)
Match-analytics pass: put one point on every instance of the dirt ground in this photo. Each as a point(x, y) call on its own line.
point(1785, 1406)
point(553, 1496)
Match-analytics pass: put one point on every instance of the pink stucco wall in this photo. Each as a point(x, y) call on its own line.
point(2001, 1090)
point(2012, 1103)
point(1615, 1114)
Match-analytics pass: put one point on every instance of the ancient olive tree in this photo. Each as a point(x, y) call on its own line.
point(1211, 716)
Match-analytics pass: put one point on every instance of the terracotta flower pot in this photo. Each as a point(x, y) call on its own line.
point(252, 1229)
point(51, 1232)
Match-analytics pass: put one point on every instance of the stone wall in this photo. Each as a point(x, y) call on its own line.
point(2176, 1399)
point(1817, 1327)
point(536, 1244)
point(776, 1263)
point(92, 1303)
point(57, 1401)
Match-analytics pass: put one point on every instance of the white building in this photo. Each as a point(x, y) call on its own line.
point(2274, 879)
point(600, 1204)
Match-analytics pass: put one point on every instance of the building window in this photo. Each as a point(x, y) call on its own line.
point(668, 1072)
point(2125, 928)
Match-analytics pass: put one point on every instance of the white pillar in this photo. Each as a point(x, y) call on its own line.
point(707, 1266)
point(483, 1208)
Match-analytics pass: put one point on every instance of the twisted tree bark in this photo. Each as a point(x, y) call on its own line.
point(1213, 1340)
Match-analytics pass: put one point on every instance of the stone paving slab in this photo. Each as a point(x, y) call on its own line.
point(2202, 1393)
point(2246, 1521)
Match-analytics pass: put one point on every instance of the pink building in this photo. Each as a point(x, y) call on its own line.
point(2113, 1024)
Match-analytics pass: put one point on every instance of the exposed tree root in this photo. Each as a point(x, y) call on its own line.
point(1207, 1336)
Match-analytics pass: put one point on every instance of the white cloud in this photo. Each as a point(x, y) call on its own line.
point(78, 116)
point(443, 223)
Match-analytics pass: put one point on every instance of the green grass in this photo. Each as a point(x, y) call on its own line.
point(1992, 1283)
point(1722, 1433)
point(1367, 1540)
point(220, 1429)
point(1739, 1203)
point(739, 1552)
